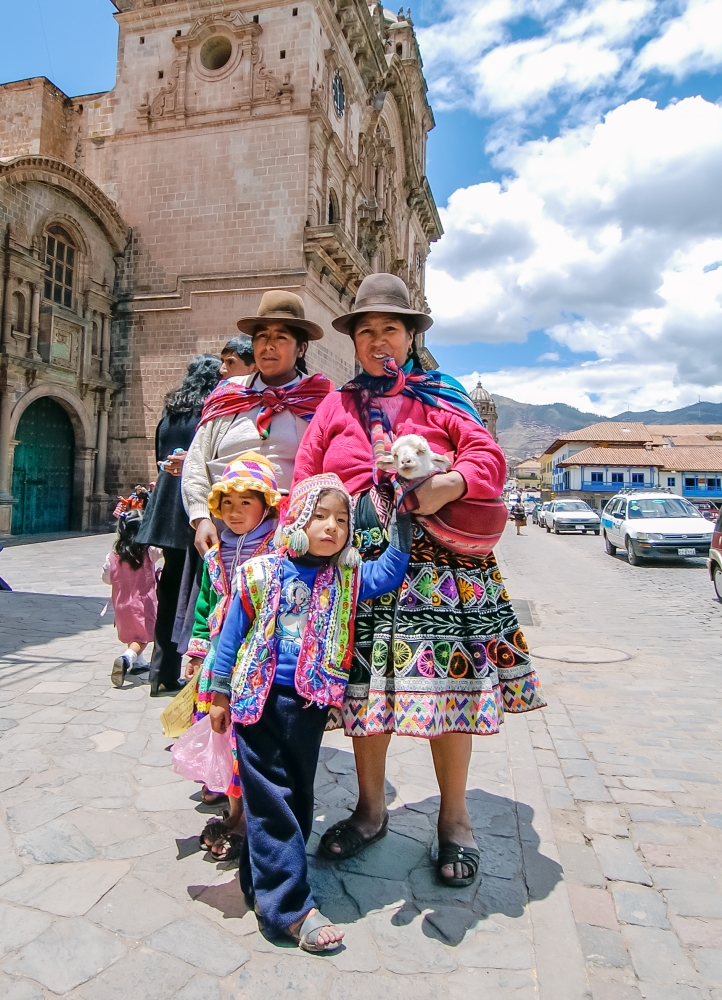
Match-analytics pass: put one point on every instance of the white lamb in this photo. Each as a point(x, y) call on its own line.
point(412, 458)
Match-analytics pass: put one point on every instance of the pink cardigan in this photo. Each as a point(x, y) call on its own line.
point(336, 442)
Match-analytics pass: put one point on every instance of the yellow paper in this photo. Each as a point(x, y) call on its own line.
point(177, 716)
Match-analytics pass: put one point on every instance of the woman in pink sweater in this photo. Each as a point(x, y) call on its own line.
point(444, 657)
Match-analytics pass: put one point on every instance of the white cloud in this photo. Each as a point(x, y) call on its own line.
point(688, 43)
point(603, 237)
point(604, 387)
point(473, 59)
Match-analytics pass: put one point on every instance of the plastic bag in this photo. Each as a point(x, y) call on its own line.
point(202, 755)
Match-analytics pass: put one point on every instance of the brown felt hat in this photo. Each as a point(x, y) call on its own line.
point(382, 293)
point(280, 306)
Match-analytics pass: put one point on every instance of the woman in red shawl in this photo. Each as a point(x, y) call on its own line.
point(267, 412)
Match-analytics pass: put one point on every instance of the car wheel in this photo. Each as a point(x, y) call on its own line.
point(611, 549)
point(597, 531)
point(717, 581)
point(548, 530)
point(632, 557)
point(583, 531)
point(556, 530)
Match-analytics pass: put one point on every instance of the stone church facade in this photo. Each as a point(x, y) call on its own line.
point(242, 148)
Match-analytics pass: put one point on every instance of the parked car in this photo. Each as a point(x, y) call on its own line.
point(571, 515)
point(655, 524)
point(709, 511)
point(714, 563)
point(537, 515)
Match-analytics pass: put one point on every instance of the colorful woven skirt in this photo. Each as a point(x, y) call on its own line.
point(202, 708)
point(443, 654)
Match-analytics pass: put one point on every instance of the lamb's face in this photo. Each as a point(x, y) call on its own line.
point(412, 456)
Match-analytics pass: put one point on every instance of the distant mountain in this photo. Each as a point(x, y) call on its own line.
point(697, 413)
point(527, 429)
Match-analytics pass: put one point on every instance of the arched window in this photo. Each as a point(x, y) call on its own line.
point(19, 312)
point(60, 269)
point(334, 216)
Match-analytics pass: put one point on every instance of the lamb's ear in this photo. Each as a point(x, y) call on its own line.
point(440, 462)
point(385, 461)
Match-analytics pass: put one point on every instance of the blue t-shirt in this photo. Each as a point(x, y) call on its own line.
point(291, 620)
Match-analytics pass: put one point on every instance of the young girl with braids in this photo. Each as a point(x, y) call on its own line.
point(130, 569)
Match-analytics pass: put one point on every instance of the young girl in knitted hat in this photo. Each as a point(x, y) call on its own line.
point(282, 663)
point(245, 500)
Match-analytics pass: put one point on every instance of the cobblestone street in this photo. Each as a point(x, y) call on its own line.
point(598, 818)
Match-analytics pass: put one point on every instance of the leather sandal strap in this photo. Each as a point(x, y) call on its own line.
point(311, 925)
point(450, 854)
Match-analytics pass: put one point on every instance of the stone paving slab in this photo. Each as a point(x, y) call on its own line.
point(597, 819)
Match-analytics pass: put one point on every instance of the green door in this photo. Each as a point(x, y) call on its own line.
point(43, 469)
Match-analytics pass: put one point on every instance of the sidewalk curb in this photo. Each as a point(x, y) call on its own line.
point(560, 966)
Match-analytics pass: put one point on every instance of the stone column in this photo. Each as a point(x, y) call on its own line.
point(102, 448)
point(6, 405)
point(34, 323)
point(105, 346)
point(7, 314)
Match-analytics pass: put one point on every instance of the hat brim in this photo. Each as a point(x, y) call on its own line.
point(345, 323)
point(251, 324)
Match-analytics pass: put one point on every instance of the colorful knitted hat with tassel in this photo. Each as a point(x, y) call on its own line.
point(290, 535)
point(249, 472)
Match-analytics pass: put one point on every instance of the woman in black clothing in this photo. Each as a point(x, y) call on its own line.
point(165, 523)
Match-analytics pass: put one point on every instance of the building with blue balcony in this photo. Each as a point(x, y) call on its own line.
point(594, 474)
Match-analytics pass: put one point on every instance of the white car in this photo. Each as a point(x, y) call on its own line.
point(655, 524)
point(571, 515)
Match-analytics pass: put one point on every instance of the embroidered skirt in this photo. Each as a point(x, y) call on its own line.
point(445, 654)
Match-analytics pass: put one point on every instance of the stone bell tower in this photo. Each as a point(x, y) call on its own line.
point(246, 145)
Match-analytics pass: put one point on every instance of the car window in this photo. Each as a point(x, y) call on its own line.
point(622, 508)
point(573, 505)
point(650, 507)
point(611, 507)
point(718, 525)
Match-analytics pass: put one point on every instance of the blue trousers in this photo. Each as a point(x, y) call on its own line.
point(277, 758)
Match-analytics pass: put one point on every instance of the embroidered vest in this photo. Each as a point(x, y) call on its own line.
point(326, 646)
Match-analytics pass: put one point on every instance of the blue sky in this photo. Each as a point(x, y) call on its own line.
point(576, 163)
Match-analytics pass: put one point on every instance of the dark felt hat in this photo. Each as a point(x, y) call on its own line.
point(281, 306)
point(382, 293)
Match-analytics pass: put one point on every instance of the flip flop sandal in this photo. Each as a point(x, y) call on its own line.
point(451, 854)
point(231, 844)
point(307, 935)
point(349, 839)
point(209, 798)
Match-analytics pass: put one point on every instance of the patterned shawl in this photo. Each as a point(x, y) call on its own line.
point(434, 389)
point(230, 398)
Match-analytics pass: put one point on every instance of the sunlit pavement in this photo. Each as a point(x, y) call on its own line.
point(104, 892)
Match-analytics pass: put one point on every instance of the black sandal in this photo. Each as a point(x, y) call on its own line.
point(451, 854)
point(231, 844)
point(349, 839)
point(214, 830)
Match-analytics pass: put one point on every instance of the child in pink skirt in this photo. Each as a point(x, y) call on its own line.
point(130, 569)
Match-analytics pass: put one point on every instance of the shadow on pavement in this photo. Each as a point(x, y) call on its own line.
point(32, 619)
point(399, 870)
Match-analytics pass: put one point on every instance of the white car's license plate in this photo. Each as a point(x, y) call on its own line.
point(579, 527)
point(686, 552)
